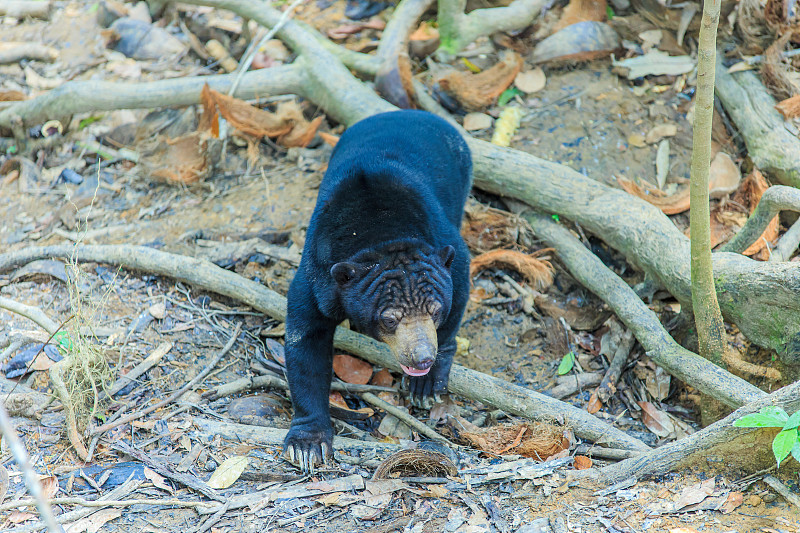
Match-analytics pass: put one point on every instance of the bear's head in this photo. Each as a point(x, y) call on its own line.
point(399, 295)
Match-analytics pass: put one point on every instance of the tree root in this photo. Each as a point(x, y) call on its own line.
point(788, 244)
point(207, 276)
point(770, 145)
point(670, 456)
point(661, 348)
point(458, 29)
point(774, 200)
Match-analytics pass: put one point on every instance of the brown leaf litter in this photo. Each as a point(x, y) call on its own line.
point(477, 91)
point(531, 439)
point(417, 462)
point(487, 229)
point(538, 272)
point(581, 10)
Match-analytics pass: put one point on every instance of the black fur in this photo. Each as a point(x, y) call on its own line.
point(384, 233)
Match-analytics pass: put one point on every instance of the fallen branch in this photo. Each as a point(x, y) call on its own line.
point(788, 244)
point(207, 276)
point(645, 325)
point(668, 457)
point(770, 145)
point(25, 8)
point(32, 51)
point(177, 394)
point(30, 312)
point(82, 96)
point(774, 200)
point(149, 362)
point(274, 437)
point(608, 385)
point(779, 487)
point(83, 502)
point(569, 385)
point(458, 29)
point(274, 382)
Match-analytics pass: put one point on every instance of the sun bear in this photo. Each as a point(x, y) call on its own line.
point(383, 249)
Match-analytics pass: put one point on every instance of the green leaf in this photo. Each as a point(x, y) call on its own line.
point(88, 120)
point(555, 217)
point(796, 451)
point(610, 12)
point(793, 422)
point(783, 444)
point(567, 362)
point(63, 340)
point(507, 95)
point(768, 417)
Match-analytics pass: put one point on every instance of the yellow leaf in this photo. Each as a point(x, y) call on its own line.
point(228, 472)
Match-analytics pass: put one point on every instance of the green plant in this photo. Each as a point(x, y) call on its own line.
point(787, 441)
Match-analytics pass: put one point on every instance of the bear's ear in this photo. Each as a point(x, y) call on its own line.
point(343, 273)
point(447, 254)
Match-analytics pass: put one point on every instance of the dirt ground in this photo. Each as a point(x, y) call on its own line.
point(585, 117)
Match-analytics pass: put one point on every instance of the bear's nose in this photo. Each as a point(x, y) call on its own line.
point(423, 355)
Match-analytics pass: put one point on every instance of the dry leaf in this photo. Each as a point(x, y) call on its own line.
point(345, 30)
point(330, 499)
point(538, 272)
point(724, 176)
point(656, 420)
point(49, 486)
point(329, 139)
point(531, 81)
point(733, 501)
point(789, 108)
point(637, 140)
point(94, 522)
point(157, 480)
point(581, 462)
point(669, 205)
point(581, 10)
point(352, 369)
point(659, 132)
point(181, 160)
point(382, 378)
point(753, 187)
point(425, 32)
point(694, 494)
point(241, 115)
point(583, 41)
point(476, 91)
point(18, 517)
point(11, 96)
point(228, 472)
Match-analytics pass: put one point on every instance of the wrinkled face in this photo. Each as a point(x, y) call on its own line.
point(401, 301)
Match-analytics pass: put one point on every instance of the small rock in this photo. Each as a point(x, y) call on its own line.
point(477, 121)
point(531, 81)
point(659, 132)
point(140, 40)
point(158, 310)
point(637, 140)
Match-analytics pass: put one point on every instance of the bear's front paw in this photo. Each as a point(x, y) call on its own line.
point(427, 390)
point(308, 447)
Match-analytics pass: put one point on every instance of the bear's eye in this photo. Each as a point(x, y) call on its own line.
point(389, 321)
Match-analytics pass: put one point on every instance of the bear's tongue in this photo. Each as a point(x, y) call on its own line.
point(415, 371)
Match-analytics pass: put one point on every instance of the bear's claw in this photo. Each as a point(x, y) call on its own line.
point(306, 449)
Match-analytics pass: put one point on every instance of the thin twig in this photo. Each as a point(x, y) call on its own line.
point(180, 392)
point(250, 53)
point(83, 502)
point(405, 418)
point(30, 312)
point(31, 479)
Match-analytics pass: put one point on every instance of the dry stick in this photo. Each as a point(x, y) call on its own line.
point(788, 244)
point(177, 394)
point(207, 276)
point(83, 502)
point(405, 418)
point(31, 480)
point(643, 322)
point(783, 490)
point(25, 8)
point(668, 457)
point(571, 385)
point(749, 291)
point(28, 51)
point(774, 200)
point(188, 480)
point(149, 362)
point(80, 96)
point(120, 492)
point(609, 382)
point(274, 382)
point(30, 312)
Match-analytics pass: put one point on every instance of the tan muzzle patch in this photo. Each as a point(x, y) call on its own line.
point(414, 344)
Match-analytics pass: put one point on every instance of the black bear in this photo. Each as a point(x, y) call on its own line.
point(383, 249)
